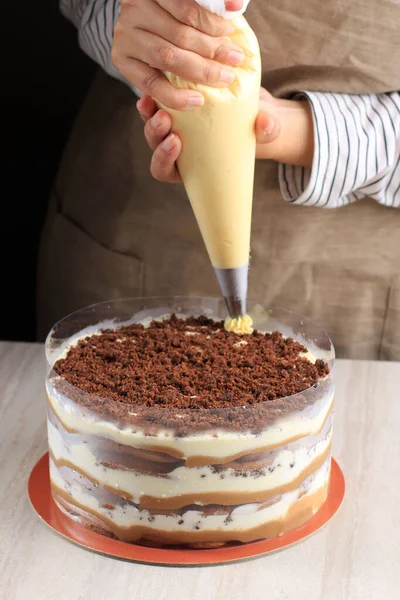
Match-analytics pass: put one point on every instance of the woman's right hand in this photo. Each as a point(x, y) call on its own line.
point(178, 36)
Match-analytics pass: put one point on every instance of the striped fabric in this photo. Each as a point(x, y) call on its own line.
point(356, 138)
point(95, 20)
point(357, 152)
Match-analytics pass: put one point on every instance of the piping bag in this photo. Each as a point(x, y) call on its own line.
point(217, 165)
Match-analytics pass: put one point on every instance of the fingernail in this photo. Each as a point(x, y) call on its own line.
point(169, 143)
point(195, 101)
point(156, 121)
point(235, 57)
point(268, 130)
point(227, 76)
point(138, 104)
point(233, 5)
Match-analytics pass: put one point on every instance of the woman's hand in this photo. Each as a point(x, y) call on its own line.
point(179, 36)
point(166, 146)
point(284, 133)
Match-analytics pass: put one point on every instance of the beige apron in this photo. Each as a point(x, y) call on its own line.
point(112, 231)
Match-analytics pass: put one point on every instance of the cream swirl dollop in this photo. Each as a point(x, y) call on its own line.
point(242, 325)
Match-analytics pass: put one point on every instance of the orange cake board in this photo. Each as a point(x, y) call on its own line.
point(45, 507)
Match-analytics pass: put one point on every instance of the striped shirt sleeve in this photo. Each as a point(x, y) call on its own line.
point(356, 152)
point(94, 20)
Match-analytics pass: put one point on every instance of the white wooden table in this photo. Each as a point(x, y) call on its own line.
point(356, 557)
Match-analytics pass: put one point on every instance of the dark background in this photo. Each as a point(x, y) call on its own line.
point(44, 79)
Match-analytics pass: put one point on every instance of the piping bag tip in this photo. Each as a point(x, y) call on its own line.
point(233, 284)
point(236, 306)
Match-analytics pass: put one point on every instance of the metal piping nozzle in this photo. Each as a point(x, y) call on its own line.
point(233, 284)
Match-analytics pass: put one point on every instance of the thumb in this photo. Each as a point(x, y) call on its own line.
point(267, 126)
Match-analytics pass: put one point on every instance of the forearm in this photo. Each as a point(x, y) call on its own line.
point(356, 140)
point(295, 143)
point(95, 20)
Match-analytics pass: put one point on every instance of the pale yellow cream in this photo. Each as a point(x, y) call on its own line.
point(218, 155)
point(241, 326)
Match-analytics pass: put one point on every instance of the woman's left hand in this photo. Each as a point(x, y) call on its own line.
point(167, 146)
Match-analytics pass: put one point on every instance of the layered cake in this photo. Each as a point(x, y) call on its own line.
point(177, 432)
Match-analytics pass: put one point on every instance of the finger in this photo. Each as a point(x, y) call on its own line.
point(146, 107)
point(163, 166)
point(267, 127)
point(153, 83)
point(191, 13)
point(265, 96)
point(157, 128)
point(152, 18)
point(153, 50)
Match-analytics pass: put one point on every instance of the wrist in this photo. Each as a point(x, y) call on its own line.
point(295, 143)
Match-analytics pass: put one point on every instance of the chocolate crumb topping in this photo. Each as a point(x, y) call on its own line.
point(180, 364)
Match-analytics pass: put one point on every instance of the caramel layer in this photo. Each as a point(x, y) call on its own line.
point(200, 461)
point(152, 448)
point(62, 462)
point(53, 413)
point(149, 455)
point(234, 498)
point(120, 456)
point(300, 512)
point(163, 450)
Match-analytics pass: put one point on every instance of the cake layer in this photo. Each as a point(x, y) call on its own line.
point(120, 456)
point(195, 449)
point(245, 523)
point(108, 499)
point(197, 484)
